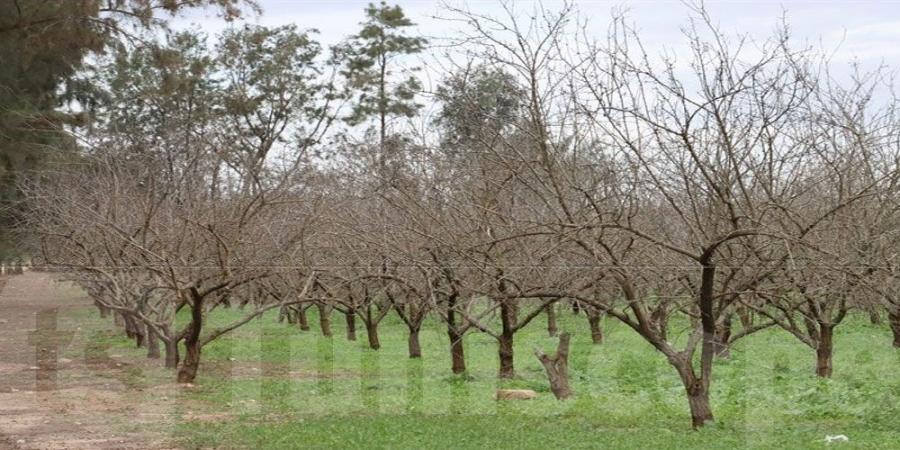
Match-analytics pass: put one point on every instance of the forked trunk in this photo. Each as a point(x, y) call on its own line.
point(350, 318)
point(372, 334)
point(697, 393)
point(415, 350)
point(701, 411)
point(824, 352)
point(188, 371)
point(557, 368)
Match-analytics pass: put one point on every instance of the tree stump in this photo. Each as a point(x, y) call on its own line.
point(557, 367)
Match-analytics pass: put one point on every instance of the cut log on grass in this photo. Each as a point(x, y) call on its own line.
point(557, 367)
point(514, 394)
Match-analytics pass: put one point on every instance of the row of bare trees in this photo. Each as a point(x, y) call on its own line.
point(696, 199)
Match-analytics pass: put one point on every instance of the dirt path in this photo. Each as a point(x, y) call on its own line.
point(54, 393)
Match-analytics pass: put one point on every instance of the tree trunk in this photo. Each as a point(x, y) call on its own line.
point(188, 371)
point(596, 330)
point(457, 351)
point(152, 344)
point(104, 311)
point(557, 368)
point(372, 334)
point(723, 335)
point(133, 330)
point(350, 317)
point(302, 320)
point(824, 351)
point(507, 369)
point(552, 329)
point(172, 357)
point(415, 350)
point(697, 391)
point(874, 317)
point(746, 316)
point(324, 320)
point(701, 411)
point(508, 318)
point(894, 319)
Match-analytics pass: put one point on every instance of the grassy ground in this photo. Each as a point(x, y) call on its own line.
point(269, 385)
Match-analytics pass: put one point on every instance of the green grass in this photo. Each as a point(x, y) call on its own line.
point(290, 389)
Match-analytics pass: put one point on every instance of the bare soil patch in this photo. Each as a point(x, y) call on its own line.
point(50, 399)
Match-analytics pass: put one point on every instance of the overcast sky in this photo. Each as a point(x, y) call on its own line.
point(866, 30)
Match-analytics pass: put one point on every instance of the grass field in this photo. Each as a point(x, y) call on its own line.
point(270, 385)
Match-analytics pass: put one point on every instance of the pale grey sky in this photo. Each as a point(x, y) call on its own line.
point(866, 30)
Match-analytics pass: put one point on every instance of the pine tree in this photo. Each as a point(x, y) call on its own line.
point(381, 87)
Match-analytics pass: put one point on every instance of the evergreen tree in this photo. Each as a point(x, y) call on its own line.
point(381, 86)
point(43, 44)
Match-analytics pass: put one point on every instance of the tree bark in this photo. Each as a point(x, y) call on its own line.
point(723, 335)
point(697, 391)
point(324, 320)
point(508, 319)
point(188, 371)
point(552, 328)
point(457, 351)
point(824, 351)
point(350, 318)
point(302, 320)
point(507, 368)
point(746, 316)
point(701, 411)
point(152, 344)
point(596, 330)
point(894, 319)
point(372, 334)
point(172, 357)
point(415, 350)
point(874, 317)
point(557, 368)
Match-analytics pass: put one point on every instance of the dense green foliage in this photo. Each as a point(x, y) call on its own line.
point(43, 46)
